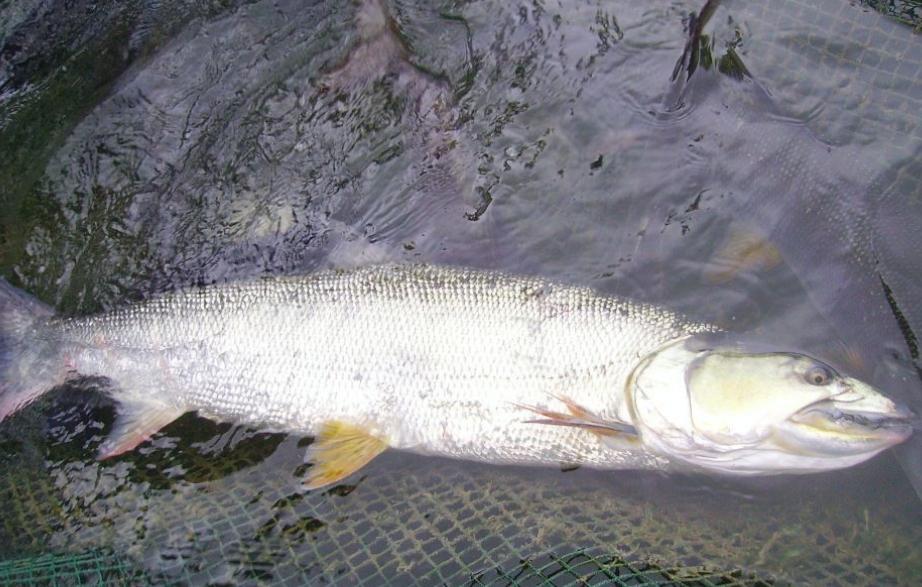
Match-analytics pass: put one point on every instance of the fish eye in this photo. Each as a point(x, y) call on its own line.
point(818, 375)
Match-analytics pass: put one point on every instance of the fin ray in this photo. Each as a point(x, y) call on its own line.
point(135, 423)
point(580, 417)
point(742, 251)
point(29, 364)
point(338, 451)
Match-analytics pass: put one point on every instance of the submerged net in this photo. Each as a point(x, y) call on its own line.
point(577, 569)
point(238, 516)
point(89, 568)
point(906, 11)
point(582, 569)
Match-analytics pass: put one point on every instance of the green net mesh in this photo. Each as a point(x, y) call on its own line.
point(582, 568)
point(89, 568)
point(576, 569)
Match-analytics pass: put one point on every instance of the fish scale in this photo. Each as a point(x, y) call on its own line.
point(434, 360)
point(451, 362)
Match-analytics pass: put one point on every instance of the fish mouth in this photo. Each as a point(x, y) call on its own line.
point(899, 422)
point(872, 419)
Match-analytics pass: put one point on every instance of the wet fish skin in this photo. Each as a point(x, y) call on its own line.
point(433, 360)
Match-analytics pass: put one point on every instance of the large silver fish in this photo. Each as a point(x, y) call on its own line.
point(453, 362)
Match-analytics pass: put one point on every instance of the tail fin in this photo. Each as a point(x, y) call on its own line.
point(29, 361)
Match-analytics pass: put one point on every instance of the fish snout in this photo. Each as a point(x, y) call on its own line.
point(863, 408)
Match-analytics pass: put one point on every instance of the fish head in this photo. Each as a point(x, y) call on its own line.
point(759, 413)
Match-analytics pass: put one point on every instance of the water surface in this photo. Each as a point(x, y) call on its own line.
point(157, 145)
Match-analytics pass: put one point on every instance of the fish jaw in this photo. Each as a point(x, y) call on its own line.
point(859, 416)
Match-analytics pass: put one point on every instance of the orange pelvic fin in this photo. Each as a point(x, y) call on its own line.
point(338, 451)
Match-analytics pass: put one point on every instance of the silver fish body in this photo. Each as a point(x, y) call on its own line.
point(434, 360)
point(453, 362)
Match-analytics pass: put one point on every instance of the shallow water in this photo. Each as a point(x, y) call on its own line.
point(163, 144)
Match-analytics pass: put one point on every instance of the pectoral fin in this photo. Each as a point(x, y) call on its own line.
point(136, 422)
point(338, 451)
point(742, 251)
point(580, 417)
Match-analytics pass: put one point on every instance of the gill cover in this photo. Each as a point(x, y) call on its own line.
point(735, 398)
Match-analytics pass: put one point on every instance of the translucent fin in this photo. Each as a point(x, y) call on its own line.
point(338, 451)
point(849, 356)
point(580, 417)
point(29, 364)
point(137, 421)
point(743, 251)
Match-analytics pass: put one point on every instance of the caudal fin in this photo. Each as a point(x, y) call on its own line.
point(29, 361)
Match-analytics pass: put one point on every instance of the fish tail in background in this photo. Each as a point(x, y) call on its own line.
point(29, 363)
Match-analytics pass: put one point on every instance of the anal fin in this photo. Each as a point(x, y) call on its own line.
point(136, 422)
point(338, 451)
